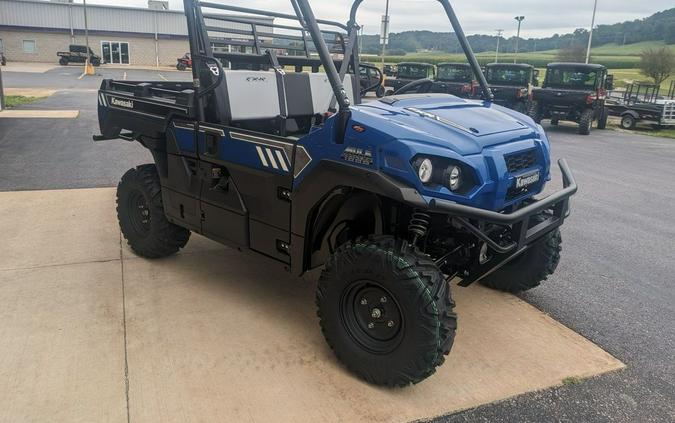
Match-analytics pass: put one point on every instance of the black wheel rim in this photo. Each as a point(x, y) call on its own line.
point(139, 213)
point(372, 316)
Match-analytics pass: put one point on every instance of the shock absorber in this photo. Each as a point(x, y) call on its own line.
point(418, 225)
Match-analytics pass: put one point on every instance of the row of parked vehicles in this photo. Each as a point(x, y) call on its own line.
point(576, 92)
point(571, 91)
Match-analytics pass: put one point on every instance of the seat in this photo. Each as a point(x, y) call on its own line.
point(257, 99)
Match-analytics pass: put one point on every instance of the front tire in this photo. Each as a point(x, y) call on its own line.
point(604, 116)
point(63, 61)
point(586, 122)
point(141, 215)
point(535, 112)
point(531, 268)
point(386, 311)
point(379, 91)
point(181, 66)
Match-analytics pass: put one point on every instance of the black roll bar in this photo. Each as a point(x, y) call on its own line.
point(459, 32)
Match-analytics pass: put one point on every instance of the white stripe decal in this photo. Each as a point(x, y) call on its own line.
point(271, 156)
point(262, 156)
point(282, 161)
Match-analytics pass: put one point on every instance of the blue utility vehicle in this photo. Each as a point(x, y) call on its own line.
point(271, 150)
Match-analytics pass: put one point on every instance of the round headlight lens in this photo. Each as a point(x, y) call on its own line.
point(425, 171)
point(453, 177)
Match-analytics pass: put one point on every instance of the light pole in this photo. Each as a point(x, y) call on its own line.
point(590, 35)
point(520, 19)
point(86, 39)
point(499, 37)
point(385, 32)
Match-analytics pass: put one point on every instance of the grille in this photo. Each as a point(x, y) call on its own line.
point(514, 192)
point(519, 161)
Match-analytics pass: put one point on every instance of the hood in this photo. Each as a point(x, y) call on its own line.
point(465, 126)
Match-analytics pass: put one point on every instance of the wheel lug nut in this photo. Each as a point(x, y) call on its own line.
point(364, 301)
point(383, 299)
point(371, 325)
point(390, 323)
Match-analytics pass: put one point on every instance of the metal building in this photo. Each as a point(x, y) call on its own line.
point(34, 30)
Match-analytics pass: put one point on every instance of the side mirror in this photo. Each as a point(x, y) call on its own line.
point(609, 82)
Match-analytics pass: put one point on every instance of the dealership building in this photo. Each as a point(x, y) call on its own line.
point(34, 31)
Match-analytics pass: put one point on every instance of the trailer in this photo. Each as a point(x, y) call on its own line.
point(643, 103)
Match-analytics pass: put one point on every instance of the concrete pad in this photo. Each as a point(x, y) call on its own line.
point(62, 344)
point(43, 228)
point(39, 114)
point(30, 92)
point(219, 336)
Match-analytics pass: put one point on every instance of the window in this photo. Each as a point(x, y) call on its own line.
point(29, 46)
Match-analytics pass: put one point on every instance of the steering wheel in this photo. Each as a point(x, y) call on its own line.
point(420, 86)
point(379, 83)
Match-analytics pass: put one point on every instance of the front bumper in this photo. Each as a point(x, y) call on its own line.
point(555, 207)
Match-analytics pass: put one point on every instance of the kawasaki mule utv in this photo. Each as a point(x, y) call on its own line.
point(393, 198)
point(511, 84)
point(574, 92)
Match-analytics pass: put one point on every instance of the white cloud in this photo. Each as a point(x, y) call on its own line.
point(543, 18)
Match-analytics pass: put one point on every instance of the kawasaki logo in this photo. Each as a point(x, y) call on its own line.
point(122, 103)
point(256, 79)
point(527, 180)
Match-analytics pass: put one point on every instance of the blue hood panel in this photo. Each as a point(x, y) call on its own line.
point(465, 126)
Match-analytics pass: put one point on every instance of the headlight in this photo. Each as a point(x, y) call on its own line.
point(452, 177)
point(425, 170)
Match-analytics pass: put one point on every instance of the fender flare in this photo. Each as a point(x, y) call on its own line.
point(327, 180)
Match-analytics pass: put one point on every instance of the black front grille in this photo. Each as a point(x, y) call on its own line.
point(514, 192)
point(519, 161)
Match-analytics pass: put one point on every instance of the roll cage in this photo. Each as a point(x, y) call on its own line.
point(300, 40)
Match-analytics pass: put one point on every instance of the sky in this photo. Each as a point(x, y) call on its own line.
point(543, 18)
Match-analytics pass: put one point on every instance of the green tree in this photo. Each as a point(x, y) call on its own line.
point(575, 53)
point(657, 63)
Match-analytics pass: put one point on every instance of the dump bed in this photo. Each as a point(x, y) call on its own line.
point(142, 108)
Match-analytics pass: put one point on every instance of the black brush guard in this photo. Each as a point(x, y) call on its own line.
point(556, 207)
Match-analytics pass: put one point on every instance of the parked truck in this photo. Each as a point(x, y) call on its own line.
point(512, 84)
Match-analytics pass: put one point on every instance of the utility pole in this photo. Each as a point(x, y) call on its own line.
point(385, 32)
point(499, 37)
point(590, 35)
point(520, 19)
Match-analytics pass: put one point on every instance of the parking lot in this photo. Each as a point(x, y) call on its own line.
point(112, 337)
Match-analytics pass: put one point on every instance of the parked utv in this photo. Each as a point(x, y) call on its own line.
point(390, 70)
point(452, 78)
point(183, 63)
point(371, 79)
point(78, 54)
point(575, 92)
point(393, 198)
point(512, 84)
point(408, 72)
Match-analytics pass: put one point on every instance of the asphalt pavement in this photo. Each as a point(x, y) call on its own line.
point(614, 285)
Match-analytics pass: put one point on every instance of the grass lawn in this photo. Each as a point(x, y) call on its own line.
point(644, 130)
point(19, 100)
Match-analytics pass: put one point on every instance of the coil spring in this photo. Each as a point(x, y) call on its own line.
point(418, 225)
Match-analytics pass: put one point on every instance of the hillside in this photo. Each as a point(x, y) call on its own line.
point(625, 38)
